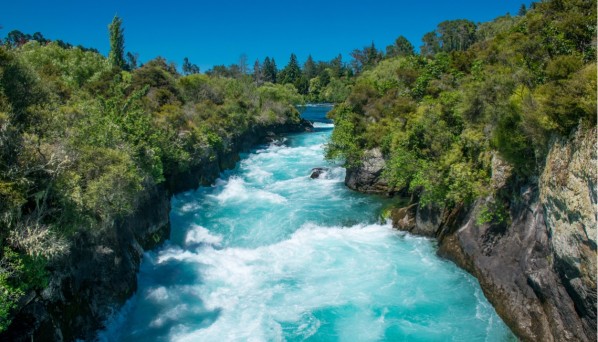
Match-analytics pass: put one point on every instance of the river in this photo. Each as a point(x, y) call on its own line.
point(269, 254)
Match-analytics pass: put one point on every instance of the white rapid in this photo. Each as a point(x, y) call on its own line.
point(269, 254)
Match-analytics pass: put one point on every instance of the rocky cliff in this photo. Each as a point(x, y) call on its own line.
point(100, 271)
point(568, 195)
point(536, 262)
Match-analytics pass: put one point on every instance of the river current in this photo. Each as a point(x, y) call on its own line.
point(269, 254)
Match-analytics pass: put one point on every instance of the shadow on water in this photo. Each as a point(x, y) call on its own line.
point(171, 298)
point(172, 273)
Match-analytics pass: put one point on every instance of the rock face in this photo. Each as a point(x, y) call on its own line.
point(100, 272)
point(568, 194)
point(367, 177)
point(427, 220)
point(404, 218)
point(538, 266)
point(513, 262)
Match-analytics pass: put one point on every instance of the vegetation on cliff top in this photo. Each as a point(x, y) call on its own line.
point(82, 136)
point(506, 86)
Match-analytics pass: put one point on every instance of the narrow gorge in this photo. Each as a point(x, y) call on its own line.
point(294, 257)
point(442, 186)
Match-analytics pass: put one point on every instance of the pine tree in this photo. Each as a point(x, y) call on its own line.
point(292, 72)
point(337, 66)
point(522, 10)
point(117, 43)
point(309, 68)
point(270, 71)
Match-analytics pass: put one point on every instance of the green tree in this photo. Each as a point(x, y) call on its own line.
point(117, 43)
point(189, 68)
point(367, 57)
point(456, 35)
point(309, 68)
point(291, 72)
point(258, 75)
point(132, 59)
point(16, 38)
point(270, 71)
point(522, 10)
point(401, 47)
point(431, 44)
point(336, 66)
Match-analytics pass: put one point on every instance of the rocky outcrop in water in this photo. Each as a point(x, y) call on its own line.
point(100, 272)
point(316, 172)
point(537, 264)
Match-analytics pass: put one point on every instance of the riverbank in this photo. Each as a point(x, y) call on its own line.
point(100, 272)
point(269, 253)
point(537, 264)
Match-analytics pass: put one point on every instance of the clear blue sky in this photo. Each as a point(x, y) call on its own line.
point(220, 31)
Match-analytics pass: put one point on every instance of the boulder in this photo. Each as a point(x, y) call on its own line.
point(316, 172)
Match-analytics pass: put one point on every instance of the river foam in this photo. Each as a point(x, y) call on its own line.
point(269, 254)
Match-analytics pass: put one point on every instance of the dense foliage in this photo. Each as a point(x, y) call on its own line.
point(504, 87)
point(81, 138)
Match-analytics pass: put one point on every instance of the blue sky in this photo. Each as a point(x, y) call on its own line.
point(219, 32)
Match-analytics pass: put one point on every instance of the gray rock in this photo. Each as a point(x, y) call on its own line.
point(316, 172)
point(538, 266)
point(568, 194)
point(367, 176)
point(514, 266)
point(501, 171)
point(428, 219)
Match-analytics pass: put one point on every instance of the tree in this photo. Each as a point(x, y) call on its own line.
point(292, 72)
point(269, 70)
point(522, 10)
point(258, 76)
point(243, 65)
point(456, 35)
point(40, 38)
point(189, 68)
point(369, 56)
point(16, 38)
point(401, 47)
point(431, 44)
point(336, 66)
point(309, 68)
point(132, 59)
point(117, 43)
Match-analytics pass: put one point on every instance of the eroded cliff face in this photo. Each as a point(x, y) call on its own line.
point(100, 271)
point(568, 195)
point(514, 264)
point(537, 266)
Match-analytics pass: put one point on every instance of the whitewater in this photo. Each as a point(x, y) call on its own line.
point(269, 254)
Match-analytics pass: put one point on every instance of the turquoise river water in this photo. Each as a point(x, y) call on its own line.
point(269, 254)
